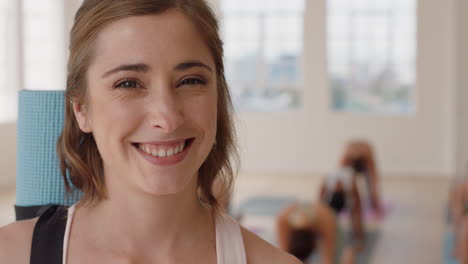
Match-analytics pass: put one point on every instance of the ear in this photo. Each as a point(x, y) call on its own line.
point(81, 116)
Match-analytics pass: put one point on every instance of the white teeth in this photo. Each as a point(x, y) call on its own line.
point(170, 152)
point(160, 152)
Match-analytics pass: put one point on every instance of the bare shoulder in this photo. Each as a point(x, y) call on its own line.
point(15, 241)
point(259, 251)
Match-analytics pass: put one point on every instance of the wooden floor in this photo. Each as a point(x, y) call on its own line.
point(412, 232)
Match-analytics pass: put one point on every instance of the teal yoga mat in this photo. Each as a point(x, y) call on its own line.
point(40, 122)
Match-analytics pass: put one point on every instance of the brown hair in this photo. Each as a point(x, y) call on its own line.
point(80, 161)
point(302, 243)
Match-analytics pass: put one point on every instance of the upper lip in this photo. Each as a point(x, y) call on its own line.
point(170, 142)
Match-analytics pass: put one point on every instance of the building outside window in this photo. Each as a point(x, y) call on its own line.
point(263, 52)
point(371, 48)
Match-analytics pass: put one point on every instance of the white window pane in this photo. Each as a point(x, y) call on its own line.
point(242, 36)
point(371, 54)
point(249, 6)
point(263, 43)
point(44, 45)
point(8, 83)
point(3, 37)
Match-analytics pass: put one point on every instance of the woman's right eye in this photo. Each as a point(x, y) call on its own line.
point(127, 84)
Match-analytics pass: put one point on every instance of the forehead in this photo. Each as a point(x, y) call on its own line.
point(159, 40)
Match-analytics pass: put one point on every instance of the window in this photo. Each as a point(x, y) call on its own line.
point(39, 25)
point(8, 89)
point(371, 55)
point(263, 52)
point(3, 44)
point(44, 45)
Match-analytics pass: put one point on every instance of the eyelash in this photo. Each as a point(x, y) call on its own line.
point(183, 82)
point(197, 80)
point(131, 81)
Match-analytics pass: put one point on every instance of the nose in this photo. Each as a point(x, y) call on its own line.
point(165, 111)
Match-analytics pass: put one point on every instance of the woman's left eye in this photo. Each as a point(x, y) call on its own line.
point(127, 84)
point(191, 81)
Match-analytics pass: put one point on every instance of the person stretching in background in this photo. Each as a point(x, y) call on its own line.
point(339, 190)
point(360, 156)
point(307, 228)
point(459, 214)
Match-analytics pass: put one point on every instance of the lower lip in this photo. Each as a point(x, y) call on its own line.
point(166, 161)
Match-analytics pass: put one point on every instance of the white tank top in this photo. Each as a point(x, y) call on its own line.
point(229, 243)
point(343, 175)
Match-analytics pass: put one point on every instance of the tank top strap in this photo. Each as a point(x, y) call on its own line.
point(229, 242)
point(48, 235)
point(52, 230)
point(66, 239)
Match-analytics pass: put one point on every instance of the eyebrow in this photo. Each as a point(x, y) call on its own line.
point(191, 64)
point(141, 67)
point(128, 67)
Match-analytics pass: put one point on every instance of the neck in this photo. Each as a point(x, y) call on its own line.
point(137, 223)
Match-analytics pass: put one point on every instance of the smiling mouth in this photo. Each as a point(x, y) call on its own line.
point(164, 150)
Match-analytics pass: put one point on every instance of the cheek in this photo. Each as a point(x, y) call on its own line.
point(203, 112)
point(112, 120)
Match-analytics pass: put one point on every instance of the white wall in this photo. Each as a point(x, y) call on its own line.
point(462, 86)
point(7, 155)
point(311, 139)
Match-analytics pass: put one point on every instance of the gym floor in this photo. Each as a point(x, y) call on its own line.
point(411, 233)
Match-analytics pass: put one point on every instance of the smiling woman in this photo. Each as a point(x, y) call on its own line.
point(137, 102)
point(148, 129)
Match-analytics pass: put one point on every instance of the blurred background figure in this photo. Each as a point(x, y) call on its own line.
point(457, 248)
point(359, 156)
point(310, 230)
point(340, 191)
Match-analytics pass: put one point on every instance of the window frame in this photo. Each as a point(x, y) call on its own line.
point(264, 84)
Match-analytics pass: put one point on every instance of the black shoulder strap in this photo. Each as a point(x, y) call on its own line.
point(29, 212)
point(48, 236)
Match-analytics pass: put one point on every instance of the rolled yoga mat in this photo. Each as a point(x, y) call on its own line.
point(38, 179)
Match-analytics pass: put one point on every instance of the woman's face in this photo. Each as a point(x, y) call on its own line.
point(151, 102)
